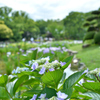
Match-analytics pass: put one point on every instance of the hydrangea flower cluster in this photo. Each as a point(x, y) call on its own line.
point(46, 66)
point(95, 71)
point(19, 70)
point(41, 61)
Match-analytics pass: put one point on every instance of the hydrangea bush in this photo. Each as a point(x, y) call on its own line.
point(43, 79)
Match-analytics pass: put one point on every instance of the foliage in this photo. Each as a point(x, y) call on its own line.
point(5, 32)
point(56, 29)
point(74, 25)
point(25, 83)
point(93, 27)
point(25, 27)
point(20, 23)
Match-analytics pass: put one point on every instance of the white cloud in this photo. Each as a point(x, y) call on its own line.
point(51, 9)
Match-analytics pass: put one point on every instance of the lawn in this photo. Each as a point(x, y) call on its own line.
point(90, 55)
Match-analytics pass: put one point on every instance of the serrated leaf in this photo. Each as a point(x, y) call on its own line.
point(52, 78)
point(71, 80)
point(68, 60)
point(19, 82)
point(93, 86)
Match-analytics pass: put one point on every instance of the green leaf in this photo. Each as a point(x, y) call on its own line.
point(34, 54)
point(3, 80)
point(68, 60)
point(31, 82)
point(50, 92)
point(71, 80)
point(3, 94)
point(77, 96)
point(52, 78)
point(31, 92)
point(93, 86)
point(80, 89)
point(17, 99)
point(19, 82)
point(11, 80)
point(93, 95)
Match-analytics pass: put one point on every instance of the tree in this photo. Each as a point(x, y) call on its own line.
point(74, 25)
point(5, 32)
point(56, 29)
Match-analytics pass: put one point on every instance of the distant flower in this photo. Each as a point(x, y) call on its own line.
point(52, 52)
point(33, 49)
point(51, 69)
point(34, 97)
point(24, 54)
point(46, 50)
point(34, 66)
point(0, 75)
point(42, 96)
point(23, 39)
point(61, 96)
point(32, 39)
point(42, 70)
point(8, 54)
point(62, 63)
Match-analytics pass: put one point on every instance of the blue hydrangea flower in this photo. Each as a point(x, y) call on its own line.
point(34, 97)
point(34, 66)
point(51, 69)
point(62, 63)
point(61, 96)
point(42, 70)
point(42, 96)
point(46, 50)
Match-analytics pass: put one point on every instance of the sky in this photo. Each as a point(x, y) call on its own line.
point(51, 9)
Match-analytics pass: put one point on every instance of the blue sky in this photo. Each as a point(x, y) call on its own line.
point(51, 9)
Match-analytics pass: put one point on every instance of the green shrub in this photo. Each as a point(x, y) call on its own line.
point(97, 38)
point(88, 36)
point(5, 32)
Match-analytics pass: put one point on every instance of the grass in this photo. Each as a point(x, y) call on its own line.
point(90, 55)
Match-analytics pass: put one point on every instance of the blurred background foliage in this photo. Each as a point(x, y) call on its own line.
point(93, 27)
point(18, 25)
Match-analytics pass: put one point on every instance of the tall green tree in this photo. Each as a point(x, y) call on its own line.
point(74, 25)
